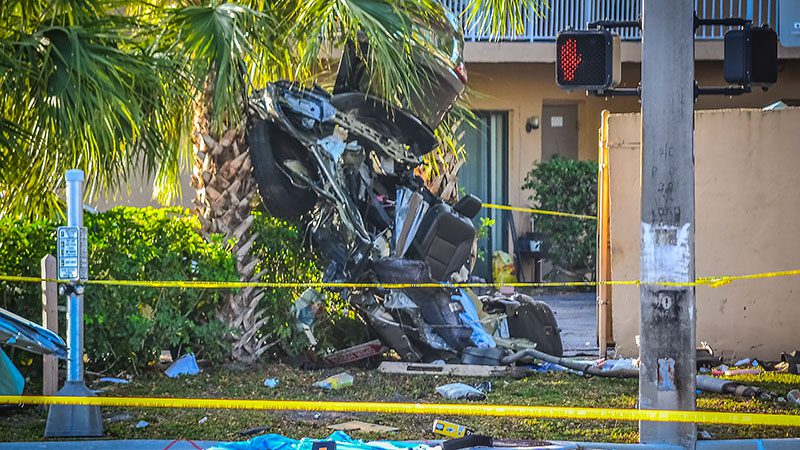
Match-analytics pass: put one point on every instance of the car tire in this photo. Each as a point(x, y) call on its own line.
point(269, 146)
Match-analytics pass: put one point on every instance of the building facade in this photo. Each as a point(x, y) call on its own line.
point(512, 83)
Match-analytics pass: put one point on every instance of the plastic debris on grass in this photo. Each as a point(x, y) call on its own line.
point(113, 380)
point(338, 381)
point(185, 365)
point(457, 391)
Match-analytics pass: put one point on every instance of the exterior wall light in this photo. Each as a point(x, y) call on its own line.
point(532, 124)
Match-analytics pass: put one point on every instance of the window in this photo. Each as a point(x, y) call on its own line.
point(485, 175)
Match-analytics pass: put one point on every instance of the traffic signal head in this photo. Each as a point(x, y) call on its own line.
point(751, 56)
point(587, 59)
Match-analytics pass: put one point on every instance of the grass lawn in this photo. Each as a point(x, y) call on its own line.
point(542, 389)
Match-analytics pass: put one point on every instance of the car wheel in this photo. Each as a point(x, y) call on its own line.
point(269, 147)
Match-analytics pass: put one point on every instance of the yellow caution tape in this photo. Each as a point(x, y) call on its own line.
point(539, 211)
point(543, 412)
point(713, 281)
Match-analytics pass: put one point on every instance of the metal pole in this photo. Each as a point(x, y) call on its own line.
point(74, 420)
point(75, 301)
point(667, 320)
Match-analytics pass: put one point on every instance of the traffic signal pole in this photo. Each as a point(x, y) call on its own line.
point(667, 319)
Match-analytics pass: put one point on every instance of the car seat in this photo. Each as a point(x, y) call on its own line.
point(445, 236)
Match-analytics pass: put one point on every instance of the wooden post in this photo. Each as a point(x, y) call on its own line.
point(604, 323)
point(49, 321)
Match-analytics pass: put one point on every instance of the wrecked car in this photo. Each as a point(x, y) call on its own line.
point(343, 164)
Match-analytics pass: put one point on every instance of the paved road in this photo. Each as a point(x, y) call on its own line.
point(576, 316)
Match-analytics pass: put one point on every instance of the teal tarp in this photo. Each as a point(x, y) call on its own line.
point(11, 381)
point(343, 442)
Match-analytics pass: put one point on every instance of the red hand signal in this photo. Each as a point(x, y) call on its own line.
point(570, 58)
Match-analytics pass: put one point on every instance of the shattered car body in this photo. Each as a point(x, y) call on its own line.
point(22, 333)
point(342, 164)
point(352, 184)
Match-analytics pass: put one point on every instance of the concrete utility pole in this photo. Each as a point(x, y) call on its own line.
point(667, 320)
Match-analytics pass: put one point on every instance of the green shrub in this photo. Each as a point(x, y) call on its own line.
point(126, 327)
point(568, 186)
point(283, 258)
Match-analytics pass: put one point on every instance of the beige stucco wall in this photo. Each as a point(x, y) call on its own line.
point(138, 191)
point(747, 195)
point(522, 88)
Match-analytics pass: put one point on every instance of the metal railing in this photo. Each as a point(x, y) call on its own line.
point(557, 15)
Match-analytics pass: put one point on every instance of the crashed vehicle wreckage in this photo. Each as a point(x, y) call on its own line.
point(343, 165)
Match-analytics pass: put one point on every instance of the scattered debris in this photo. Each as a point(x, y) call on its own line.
point(305, 309)
point(121, 417)
point(185, 365)
point(142, 424)
point(113, 380)
point(793, 397)
point(165, 357)
point(485, 387)
point(338, 381)
point(722, 386)
point(457, 391)
point(464, 370)
point(466, 442)
point(355, 353)
point(271, 383)
point(742, 362)
point(203, 420)
point(790, 362)
point(754, 371)
point(253, 431)
point(503, 270)
point(357, 425)
point(22, 333)
point(323, 445)
point(450, 430)
point(704, 435)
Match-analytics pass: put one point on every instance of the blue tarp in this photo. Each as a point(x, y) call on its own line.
point(343, 442)
point(469, 316)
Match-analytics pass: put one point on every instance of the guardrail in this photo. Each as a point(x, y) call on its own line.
point(556, 15)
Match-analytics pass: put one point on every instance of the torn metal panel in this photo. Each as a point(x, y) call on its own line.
point(22, 333)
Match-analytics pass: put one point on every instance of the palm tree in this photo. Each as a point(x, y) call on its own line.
point(118, 86)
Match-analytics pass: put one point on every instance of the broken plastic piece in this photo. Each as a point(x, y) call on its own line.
point(357, 425)
point(338, 381)
point(456, 391)
point(185, 365)
point(113, 380)
point(793, 397)
point(271, 383)
point(451, 430)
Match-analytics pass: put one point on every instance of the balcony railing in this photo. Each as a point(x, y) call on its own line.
point(562, 14)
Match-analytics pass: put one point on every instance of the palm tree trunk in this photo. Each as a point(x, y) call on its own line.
point(444, 180)
point(225, 191)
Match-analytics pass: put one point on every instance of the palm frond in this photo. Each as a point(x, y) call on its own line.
point(497, 18)
point(89, 99)
point(391, 28)
point(228, 44)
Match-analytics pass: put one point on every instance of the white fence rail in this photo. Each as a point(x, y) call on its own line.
point(557, 15)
